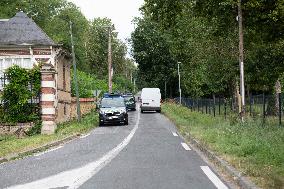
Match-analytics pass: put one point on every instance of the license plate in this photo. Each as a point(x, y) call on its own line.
point(114, 117)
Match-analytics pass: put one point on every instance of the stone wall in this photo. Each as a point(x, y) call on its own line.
point(63, 95)
point(86, 105)
point(11, 129)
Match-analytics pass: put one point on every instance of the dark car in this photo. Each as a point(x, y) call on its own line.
point(111, 95)
point(113, 110)
point(130, 102)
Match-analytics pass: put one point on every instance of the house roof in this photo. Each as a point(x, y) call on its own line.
point(22, 30)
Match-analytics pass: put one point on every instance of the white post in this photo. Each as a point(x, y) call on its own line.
point(179, 88)
point(241, 58)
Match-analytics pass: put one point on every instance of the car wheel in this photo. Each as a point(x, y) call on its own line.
point(101, 123)
point(134, 109)
point(142, 111)
point(126, 122)
point(159, 111)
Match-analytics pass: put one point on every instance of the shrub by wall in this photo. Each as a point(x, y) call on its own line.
point(23, 85)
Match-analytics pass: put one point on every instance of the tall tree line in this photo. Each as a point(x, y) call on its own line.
point(90, 37)
point(203, 36)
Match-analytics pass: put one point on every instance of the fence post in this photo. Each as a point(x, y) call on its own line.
point(219, 101)
point(263, 107)
point(47, 100)
point(198, 105)
point(191, 104)
point(250, 102)
point(280, 108)
point(206, 106)
point(214, 112)
point(202, 106)
point(225, 108)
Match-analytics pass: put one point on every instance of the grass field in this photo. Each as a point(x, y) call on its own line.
point(11, 144)
point(257, 150)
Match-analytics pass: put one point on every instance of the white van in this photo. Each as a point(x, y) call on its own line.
point(150, 100)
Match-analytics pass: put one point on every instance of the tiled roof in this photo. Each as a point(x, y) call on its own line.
point(21, 30)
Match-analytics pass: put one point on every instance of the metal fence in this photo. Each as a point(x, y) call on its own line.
point(261, 106)
point(33, 103)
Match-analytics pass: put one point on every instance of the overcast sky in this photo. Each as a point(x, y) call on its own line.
point(121, 12)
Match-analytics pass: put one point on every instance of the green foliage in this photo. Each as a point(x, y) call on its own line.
point(36, 129)
point(122, 84)
point(151, 51)
point(87, 83)
point(16, 94)
point(203, 36)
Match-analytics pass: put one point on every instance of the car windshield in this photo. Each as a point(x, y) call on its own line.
point(112, 102)
point(128, 98)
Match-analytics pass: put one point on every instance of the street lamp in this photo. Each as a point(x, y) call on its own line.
point(179, 83)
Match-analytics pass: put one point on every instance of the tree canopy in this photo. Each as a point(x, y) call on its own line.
point(90, 36)
point(203, 36)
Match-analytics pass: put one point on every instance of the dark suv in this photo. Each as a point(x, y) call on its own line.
point(113, 110)
point(130, 101)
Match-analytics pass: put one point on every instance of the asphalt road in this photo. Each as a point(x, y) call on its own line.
point(146, 154)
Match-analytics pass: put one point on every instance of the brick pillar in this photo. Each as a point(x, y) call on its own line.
point(48, 99)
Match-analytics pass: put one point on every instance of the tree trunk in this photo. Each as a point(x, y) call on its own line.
point(277, 92)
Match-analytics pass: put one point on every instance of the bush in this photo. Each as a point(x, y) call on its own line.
point(87, 83)
point(16, 94)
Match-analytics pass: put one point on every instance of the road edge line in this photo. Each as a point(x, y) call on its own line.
point(213, 177)
point(234, 174)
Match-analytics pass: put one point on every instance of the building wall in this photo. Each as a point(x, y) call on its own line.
point(63, 82)
point(86, 106)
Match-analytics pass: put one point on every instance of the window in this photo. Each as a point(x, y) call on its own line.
point(8, 62)
point(22, 62)
point(27, 63)
point(18, 62)
point(1, 67)
point(65, 109)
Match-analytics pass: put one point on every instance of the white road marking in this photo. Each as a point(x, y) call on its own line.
point(185, 146)
point(53, 149)
point(74, 178)
point(214, 179)
point(175, 134)
point(84, 136)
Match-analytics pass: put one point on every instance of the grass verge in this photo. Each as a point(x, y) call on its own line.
point(255, 149)
point(11, 144)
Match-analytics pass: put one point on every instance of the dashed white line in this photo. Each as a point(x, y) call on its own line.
point(175, 134)
point(214, 179)
point(185, 146)
point(53, 149)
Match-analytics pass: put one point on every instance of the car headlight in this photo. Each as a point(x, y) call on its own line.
point(101, 112)
point(122, 111)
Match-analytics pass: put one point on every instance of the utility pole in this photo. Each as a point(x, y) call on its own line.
point(179, 83)
point(109, 61)
point(241, 58)
point(75, 75)
point(131, 77)
point(134, 83)
point(165, 89)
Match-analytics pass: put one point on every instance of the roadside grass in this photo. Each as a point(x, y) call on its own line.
point(12, 145)
point(254, 148)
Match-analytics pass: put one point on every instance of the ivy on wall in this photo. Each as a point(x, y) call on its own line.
point(17, 94)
